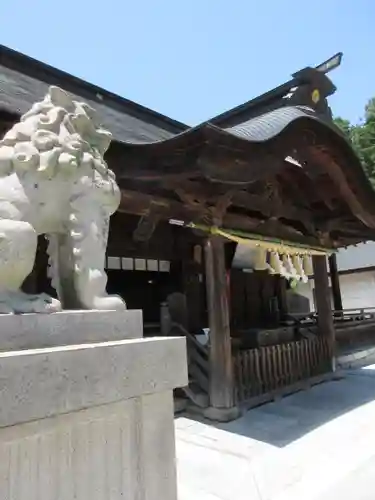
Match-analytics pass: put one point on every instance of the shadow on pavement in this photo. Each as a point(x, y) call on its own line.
point(282, 422)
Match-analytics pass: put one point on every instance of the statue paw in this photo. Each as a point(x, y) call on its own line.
point(109, 303)
point(21, 303)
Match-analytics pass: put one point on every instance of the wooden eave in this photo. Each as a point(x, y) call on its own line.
point(238, 177)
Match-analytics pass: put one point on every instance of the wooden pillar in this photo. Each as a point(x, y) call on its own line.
point(335, 282)
point(323, 303)
point(221, 369)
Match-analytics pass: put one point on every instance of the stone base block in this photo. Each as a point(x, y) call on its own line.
point(222, 414)
point(40, 383)
point(90, 421)
point(34, 331)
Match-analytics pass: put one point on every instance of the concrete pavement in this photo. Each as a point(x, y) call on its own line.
point(364, 355)
point(358, 485)
point(304, 446)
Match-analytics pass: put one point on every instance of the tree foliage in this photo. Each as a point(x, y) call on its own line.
point(362, 137)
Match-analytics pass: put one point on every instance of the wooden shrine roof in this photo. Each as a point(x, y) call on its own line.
point(239, 176)
point(275, 166)
point(24, 81)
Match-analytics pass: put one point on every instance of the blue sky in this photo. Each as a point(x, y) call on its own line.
point(194, 59)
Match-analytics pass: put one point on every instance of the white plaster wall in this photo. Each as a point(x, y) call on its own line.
point(358, 290)
point(356, 257)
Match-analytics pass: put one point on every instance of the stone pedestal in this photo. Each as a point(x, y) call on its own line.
point(222, 414)
point(90, 421)
point(34, 331)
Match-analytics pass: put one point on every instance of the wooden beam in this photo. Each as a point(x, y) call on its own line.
point(195, 193)
point(221, 391)
point(194, 209)
point(241, 198)
point(335, 282)
point(323, 303)
point(137, 203)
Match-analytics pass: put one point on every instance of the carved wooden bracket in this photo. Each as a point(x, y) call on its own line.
point(221, 207)
point(212, 214)
point(147, 223)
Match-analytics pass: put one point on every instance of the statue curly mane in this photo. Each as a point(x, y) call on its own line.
point(57, 137)
point(52, 167)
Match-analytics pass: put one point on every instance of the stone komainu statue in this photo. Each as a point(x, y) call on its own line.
point(54, 181)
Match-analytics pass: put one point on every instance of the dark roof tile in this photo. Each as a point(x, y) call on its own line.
point(24, 81)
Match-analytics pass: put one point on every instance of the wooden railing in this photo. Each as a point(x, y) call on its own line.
point(265, 369)
point(198, 365)
point(360, 314)
point(354, 314)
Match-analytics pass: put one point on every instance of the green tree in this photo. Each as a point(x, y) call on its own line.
point(362, 137)
point(364, 140)
point(344, 125)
